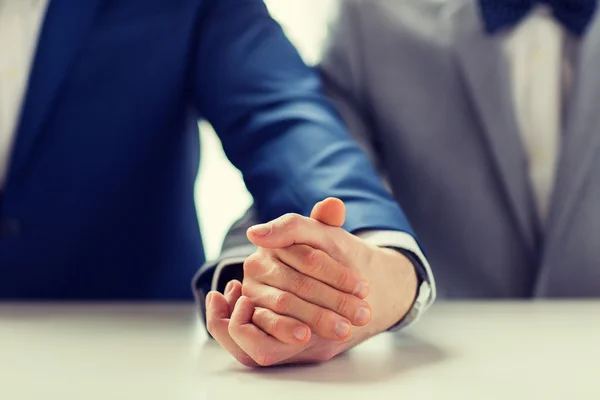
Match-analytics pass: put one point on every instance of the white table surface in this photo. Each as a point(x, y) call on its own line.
point(458, 351)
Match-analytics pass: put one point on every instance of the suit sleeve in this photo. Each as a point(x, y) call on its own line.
point(276, 125)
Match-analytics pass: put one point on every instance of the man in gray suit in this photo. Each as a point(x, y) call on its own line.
point(482, 116)
point(488, 132)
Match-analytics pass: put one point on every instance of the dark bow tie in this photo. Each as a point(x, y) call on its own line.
point(574, 15)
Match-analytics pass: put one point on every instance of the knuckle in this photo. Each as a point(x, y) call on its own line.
point(288, 221)
point(253, 264)
point(318, 318)
point(258, 317)
point(312, 260)
point(341, 277)
point(282, 302)
point(275, 327)
point(303, 285)
point(341, 304)
point(269, 323)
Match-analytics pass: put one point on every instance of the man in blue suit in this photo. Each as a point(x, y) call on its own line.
point(99, 146)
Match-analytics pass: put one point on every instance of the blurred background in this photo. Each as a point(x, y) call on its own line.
point(224, 197)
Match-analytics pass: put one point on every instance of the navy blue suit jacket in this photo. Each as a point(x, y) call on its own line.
point(99, 199)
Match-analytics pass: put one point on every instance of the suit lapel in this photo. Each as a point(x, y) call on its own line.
point(488, 80)
point(581, 140)
point(62, 34)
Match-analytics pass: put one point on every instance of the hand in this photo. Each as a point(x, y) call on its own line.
point(232, 312)
point(287, 330)
point(394, 277)
point(307, 285)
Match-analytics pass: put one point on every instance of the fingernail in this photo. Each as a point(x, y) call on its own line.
point(363, 315)
point(261, 230)
point(342, 329)
point(300, 332)
point(229, 287)
point(208, 299)
point(361, 290)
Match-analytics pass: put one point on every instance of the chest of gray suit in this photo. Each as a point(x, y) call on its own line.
point(433, 91)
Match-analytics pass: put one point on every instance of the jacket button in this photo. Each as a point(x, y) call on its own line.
point(9, 228)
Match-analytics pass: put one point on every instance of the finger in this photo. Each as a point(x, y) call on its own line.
point(321, 321)
point(320, 266)
point(282, 328)
point(287, 279)
point(233, 291)
point(330, 211)
point(293, 229)
point(264, 349)
point(217, 323)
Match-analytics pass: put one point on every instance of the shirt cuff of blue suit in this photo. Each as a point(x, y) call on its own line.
point(401, 241)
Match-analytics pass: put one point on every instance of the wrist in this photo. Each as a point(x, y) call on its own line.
point(394, 289)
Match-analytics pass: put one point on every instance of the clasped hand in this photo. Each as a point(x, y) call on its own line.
point(303, 293)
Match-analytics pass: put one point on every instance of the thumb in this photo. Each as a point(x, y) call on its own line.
point(330, 211)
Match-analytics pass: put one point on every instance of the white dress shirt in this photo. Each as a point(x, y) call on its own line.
point(542, 75)
point(20, 22)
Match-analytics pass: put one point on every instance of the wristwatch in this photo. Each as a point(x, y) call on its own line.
point(423, 297)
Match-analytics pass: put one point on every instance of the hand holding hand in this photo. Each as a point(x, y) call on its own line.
point(305, 284)
point(306, 277)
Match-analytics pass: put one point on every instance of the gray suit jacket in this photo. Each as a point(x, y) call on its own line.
point(427, 94)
